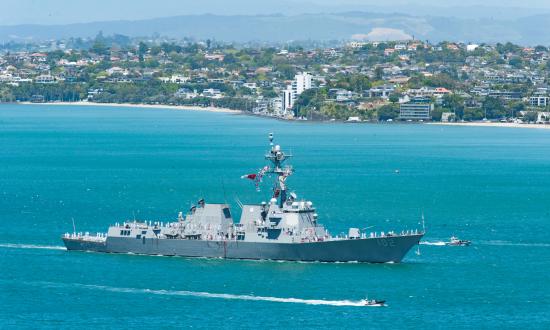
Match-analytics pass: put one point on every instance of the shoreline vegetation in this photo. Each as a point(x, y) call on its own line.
point(226, 110)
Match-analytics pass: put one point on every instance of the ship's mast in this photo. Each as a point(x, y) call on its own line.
point(277, 158)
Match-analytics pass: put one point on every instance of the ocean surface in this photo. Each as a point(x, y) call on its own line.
point(100, 165)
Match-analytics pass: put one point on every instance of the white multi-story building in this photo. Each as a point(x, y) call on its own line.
point(301, 83)
point(416, 109)
point(539, 101)
point(287, 100)
point(276, 105)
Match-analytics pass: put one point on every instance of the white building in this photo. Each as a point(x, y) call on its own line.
point(301, 83)
point(400, 47)
point(186, 93)
point(539, 101)
point(543, 117)
point(471, 47)
point(117, 70)
point(287, 100)
point(250, 85)
point(341, 95)
point(212, 93)
point(276, 105)
point(356, 44)
point(416, 109)
point(45, 79)
point(179, 79)
point(383, 91)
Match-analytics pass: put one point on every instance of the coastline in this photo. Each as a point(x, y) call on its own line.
point(139, 105)
point(489, 124)
point(226, 110)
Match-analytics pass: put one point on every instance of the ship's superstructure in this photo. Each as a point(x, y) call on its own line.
point(283, 228)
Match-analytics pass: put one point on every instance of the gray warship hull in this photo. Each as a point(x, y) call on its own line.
point(370, 250)
point(284, 228)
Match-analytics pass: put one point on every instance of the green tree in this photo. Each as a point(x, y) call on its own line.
point(310, 100)
point(515, 108)
point(142, 50)
point(493, 108)
point(335, 111)
point(436, 114)
point(388, 111)
point(394, 98)
point(286, 70)
point(455, 104)
point(473, 114)
point(507, 48)
point(6, 95)
point(359, 83)
point(530, 116)
point(378, 73)
point(100, 48)
point(516, 62)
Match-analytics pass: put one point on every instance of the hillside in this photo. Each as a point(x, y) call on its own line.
point(279, 28)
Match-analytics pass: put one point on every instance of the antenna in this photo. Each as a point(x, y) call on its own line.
point(223, 187)
point(423, 223)
point(239, 203)
point(74, 227)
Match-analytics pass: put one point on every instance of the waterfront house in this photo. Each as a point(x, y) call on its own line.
point(539, 101)
point(416, 109)
point(45, 79)
point(186, 93)
point(212, 93)
point(383, 91)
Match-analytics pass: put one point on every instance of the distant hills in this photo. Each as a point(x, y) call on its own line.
point(530, 30)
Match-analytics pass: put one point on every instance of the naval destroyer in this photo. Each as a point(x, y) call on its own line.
point(283, 228)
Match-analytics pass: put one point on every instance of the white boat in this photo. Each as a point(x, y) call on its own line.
point(454, 241)
point(373, 303)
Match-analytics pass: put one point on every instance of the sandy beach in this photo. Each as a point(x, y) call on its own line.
point(226, 110)
point(138, 105)
point(489, 124)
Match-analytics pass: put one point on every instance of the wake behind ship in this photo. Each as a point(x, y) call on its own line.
point(284, 228)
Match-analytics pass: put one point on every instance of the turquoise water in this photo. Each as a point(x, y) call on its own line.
point(101, 165)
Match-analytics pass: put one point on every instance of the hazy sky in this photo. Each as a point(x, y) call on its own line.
point(77, 11)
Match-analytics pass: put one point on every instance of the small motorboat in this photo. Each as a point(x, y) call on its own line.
point(458, 242)
point(373, 303)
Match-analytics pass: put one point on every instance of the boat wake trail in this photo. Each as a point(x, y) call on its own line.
point(493, 243)
point(226, 296)
point(439, 243)
point(31, 246)
point(506, 243)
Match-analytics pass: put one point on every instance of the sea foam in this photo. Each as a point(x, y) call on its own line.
point(31, 246)
point(199, 294)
